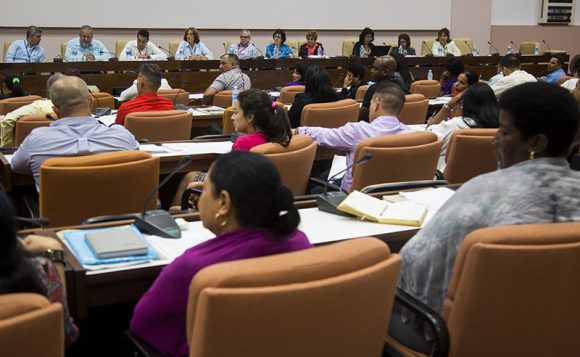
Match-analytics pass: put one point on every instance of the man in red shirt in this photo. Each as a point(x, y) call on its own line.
point(148, 82)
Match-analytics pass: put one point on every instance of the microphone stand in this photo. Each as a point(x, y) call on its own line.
point(328, 201)
point(160, 222)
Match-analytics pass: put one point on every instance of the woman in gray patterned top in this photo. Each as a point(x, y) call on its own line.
point(534, 184)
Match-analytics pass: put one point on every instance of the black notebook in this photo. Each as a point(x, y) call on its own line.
point(114, 243)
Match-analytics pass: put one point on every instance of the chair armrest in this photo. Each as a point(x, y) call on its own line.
point(411, 332)
point(213, 136)
point(111, 218)
point(325, 183)
point(398, 186)
point(439, 175)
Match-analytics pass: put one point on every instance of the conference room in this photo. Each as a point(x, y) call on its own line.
point(351, 302)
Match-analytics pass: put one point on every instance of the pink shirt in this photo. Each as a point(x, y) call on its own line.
point(246, 142)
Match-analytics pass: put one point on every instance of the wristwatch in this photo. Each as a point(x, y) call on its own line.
point(55, 255)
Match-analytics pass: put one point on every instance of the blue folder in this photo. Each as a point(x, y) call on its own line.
point(86, 256)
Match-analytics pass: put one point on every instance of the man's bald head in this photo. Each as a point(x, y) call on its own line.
point(70, 97)
point(383, 66)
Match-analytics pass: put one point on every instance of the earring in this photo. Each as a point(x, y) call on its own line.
point(532, 153)
point(222, 223)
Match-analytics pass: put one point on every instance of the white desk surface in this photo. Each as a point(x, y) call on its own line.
point(319, 227)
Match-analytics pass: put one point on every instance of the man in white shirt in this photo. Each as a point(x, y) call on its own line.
point(513, 75)
point(142, 49)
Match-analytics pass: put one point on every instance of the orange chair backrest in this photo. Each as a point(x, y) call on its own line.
point(470, 153)
point(396, 158)
point(168, 125)
point(414, 110)
point(287, 94)
point(330, 115)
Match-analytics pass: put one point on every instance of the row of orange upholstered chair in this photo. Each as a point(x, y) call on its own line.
point(108, 179)
point(512, 293)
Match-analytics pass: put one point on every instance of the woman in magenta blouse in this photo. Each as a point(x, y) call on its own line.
point(261, 119)
point(252, 215)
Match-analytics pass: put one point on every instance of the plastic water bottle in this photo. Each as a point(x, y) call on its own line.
point(474, 51)
point(128, 53)
point(510, 49)
point(276, 53)
point(430, 75)
point(401, 49)
point(319, 51)
point(537, 50)
point(235, 93)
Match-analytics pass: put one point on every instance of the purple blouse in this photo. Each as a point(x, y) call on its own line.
point(160, 316)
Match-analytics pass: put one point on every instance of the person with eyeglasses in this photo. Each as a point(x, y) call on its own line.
point(27, 50)
point(244, 49)
point(311, 47)
point(279, 49)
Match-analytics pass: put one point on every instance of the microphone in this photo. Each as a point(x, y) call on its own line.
point(328, 202)
point(160, 222)
point(495, 48)
point(57, 59)
point(112, 59)
point(470, 49)
point(548, 47)
point(100, 111)
point(513, 44)
point(171, 56)
point(39, 222)
point(423, 43)
point(258, 48)
point(225, 49)
point(179, 106)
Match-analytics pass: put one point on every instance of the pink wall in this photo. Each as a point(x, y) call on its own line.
point(557, 37)
point(472, 19)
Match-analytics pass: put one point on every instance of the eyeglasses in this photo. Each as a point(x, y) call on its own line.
point(277, 36)
point(242, 37)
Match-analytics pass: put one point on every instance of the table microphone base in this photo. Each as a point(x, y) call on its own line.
point(158, 223)
point(328, 202)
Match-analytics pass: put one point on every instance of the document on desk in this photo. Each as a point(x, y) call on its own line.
point(195, 95)
point(153, 149)
point(439, 100)
point(9, 158)
point(189, 148)
point(338, 165)
point(206, 110)
point(431, 198)
point(173, 248)
point(108, 120)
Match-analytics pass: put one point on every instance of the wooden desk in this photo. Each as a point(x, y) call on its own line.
point(196, 76)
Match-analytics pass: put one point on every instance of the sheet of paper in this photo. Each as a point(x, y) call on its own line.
point(195, 95)
point(9, 157)
point(439, 100)
point(338, 164)
point(173, 248)
point(217, 147)
point(108, 120)
point(152, 148)
point(430, 198)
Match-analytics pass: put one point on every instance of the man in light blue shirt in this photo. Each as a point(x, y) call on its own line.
point(85, 48)
point(75, 133)
point(555, 70)
point(28, 50)
point(244, 49)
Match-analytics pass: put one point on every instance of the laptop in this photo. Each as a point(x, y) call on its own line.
point(379, 51)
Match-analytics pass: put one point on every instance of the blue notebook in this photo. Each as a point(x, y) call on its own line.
point(86, 256)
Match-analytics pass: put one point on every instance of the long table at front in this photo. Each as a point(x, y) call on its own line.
point(196, 76)
point(89, 289)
